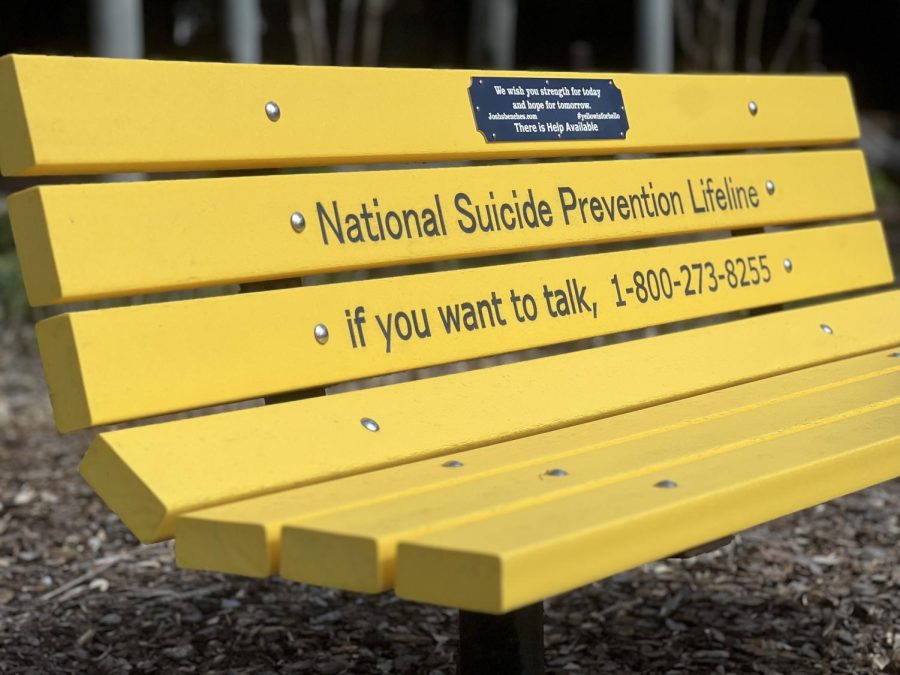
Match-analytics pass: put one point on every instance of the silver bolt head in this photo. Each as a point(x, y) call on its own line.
point(369, 424)
point(298, 222)
point(321, 333)
point(788, 265)
point(667, 483)
point(828, 330)
point(894, 355)
point(273, 112)
point(770, 187)
point(557, 473)
point(752, 107)
point(452, 464)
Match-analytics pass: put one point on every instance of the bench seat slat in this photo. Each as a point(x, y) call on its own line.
point(122, 115)
point(167, 235)
point(151, 474)
point(126, 359)
point(497, 565)
point(344, 533)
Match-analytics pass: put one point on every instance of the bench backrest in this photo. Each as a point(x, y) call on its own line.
point(111, 240)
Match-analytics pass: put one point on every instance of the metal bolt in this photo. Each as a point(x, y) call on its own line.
point(557, 473)
point(752, 107)
point(666, 484)
point(273, 112)
point(369, 424)
point(828, 330)
point(452, 464)
point(321, 333)
point(788, 265)
point(770, 187)
point(895, 355)
point(298, 222)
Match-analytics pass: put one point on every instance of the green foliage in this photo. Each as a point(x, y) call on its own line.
point(885, 189)
point(13, 305)
point(6, 240)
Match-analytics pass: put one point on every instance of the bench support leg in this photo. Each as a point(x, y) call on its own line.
point(502, 644)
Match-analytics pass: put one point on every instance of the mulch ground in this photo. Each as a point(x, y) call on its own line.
point(817, 592)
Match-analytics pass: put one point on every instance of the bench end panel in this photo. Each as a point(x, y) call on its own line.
point(16, 151)
point(125, 493)
point(234, 547)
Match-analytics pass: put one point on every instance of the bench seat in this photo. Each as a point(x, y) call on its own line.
point(740, 456)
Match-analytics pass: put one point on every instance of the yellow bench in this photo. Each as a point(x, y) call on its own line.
point(492, 489)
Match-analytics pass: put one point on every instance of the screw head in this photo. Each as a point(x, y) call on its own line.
point(894, 355)
point(828, 330)
point(298, 222)
point(667, 483)
point(770, 187)
point(752, 107)
point(321, 333)
point(369, 424)
point(452, 464)
point(273, 112)
point(788, 265)
point(556, 473)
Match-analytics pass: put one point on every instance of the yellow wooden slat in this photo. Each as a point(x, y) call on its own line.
point(155, 115)
point(369, 513)
point(128, 358)
point(151, 474)
point(183, 234)
point(500, 564)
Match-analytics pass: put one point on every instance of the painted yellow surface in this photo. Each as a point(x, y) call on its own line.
point(499, 564)
point(328, 550)
point(243, 346)
point(189, 464)
point(156, 115)
point(165, 235)
point(344, 532)
point(15, 149)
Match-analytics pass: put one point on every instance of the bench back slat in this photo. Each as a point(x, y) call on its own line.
point(244, 346)
point(166, 235)
point(150, 474)
point(77, 115)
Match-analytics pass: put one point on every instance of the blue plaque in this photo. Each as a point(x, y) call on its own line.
point(540, 109)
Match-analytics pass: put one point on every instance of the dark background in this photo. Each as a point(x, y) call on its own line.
point(859, 38)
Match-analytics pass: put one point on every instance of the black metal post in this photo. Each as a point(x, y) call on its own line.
point(505, 644)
